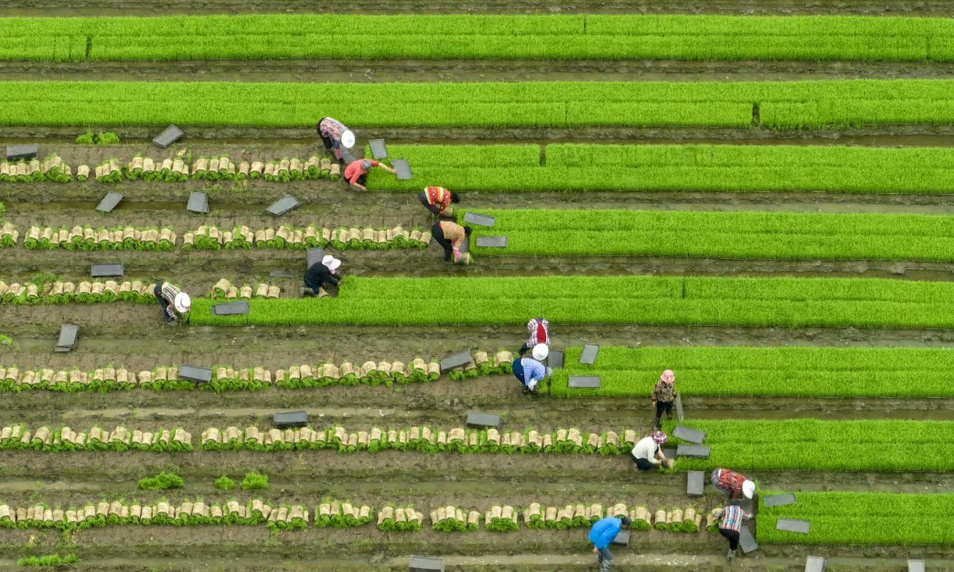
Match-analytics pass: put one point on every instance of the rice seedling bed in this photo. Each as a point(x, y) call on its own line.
point(791, 302)
point(549, 37)
point(770, 371)
point(779, 105)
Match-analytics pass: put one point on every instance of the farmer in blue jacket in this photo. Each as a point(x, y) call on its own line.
point(603, 533)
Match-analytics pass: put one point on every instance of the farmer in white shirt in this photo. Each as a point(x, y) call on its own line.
point(647, 454)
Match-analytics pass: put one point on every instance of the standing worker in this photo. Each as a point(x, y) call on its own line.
point(451, 237)
point(321, 272)
point(438, 200)
point(602, 534)
point(174, 302)
point(335, 136)
point(730, 526)
point(539, 329)
point(356, 173)
point(529, 372)
point(647, 453)
point(664, 393)
point(733, 484)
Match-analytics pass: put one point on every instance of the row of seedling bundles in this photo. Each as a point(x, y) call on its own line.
point(400, 519)
point(223, 289)
point(422, 439)
point(581, 515)
point(85, 292)
point(9, 235)
point(51, 169)
point(96, 439)
point(481, 364)
point(210, 237)
point(343, 514)
point(173, 169)
point(102, 238)
point(282, 171)
point(255, 512)
point(224, 377)
point(454, 519)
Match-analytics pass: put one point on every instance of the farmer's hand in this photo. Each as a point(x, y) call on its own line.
point(654, 404)
point(596, 550)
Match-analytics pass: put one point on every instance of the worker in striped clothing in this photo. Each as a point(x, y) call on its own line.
point(335, 136)
point(539, 330)
point(173, 301)
point(730, 526)
point(438, 200)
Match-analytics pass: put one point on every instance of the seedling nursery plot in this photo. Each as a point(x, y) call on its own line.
point(759, 203)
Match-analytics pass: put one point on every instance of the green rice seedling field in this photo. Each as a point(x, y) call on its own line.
point(754, 194)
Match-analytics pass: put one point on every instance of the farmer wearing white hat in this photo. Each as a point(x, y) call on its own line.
point(320, 273)
point(539, 329)
point(529, 372)
point(335, 136)
point(174, 302)
point(356, 173)
point(733, 484)
point(647, 453)
point(664, 393)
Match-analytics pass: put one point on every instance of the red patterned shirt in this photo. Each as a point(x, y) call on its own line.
point(438, 196)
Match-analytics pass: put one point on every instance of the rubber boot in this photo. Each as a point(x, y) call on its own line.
point(730, 555)
point(656, 423)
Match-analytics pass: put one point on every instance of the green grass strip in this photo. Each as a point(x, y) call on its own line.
point(764, 372)
point(606, 37)
point(783, 105)
point(813, 445)
point(861, 518)
point(612, 300)
point(716, 168)
point(772, 235)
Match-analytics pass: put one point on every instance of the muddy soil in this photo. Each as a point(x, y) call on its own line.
point(728, 7)
point(913, 134)
point(378, 71)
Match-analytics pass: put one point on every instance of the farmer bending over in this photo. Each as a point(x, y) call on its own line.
point(647, 453)
point(173, 301)
point(335, 136)
point(602, 534)
point(539, 329)
point(356, 173)
point(732, 484)
point(451, 237)
point(320, 273)
point(529, 372)
point(438, 200)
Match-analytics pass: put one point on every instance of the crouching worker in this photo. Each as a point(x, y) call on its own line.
point(647, 453)
point(539, 330)
point(602, 534)
point(730, 526)
point(173, 301)
point(356, 173)
point(320, 273)
point(733, 484)
point(335, 136)
point(438, 200)
point(451, 237)
point(530, 372)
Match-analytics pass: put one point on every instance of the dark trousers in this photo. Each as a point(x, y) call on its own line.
point(328, 141)
point(435, 210)
point(525, 348)
point(438, 234)
point(644, 464)
point(660, 407)
point(732, 536)
point(605, 558)
point(313, 285)
point(362, 180)
point(162, 301)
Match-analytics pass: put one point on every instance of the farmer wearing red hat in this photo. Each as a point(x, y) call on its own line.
point(647, 453)
point(664, 393)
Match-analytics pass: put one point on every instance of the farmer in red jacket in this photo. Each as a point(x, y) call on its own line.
point(356, 173)
point(438, 200)
point(733, 484)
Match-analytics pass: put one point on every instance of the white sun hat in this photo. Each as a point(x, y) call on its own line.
point(335, 264)
point(182, 302)
point(347, 139)
point(748, 488)
point(540, 352)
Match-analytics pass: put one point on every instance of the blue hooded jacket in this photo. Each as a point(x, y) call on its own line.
point(604, 531)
